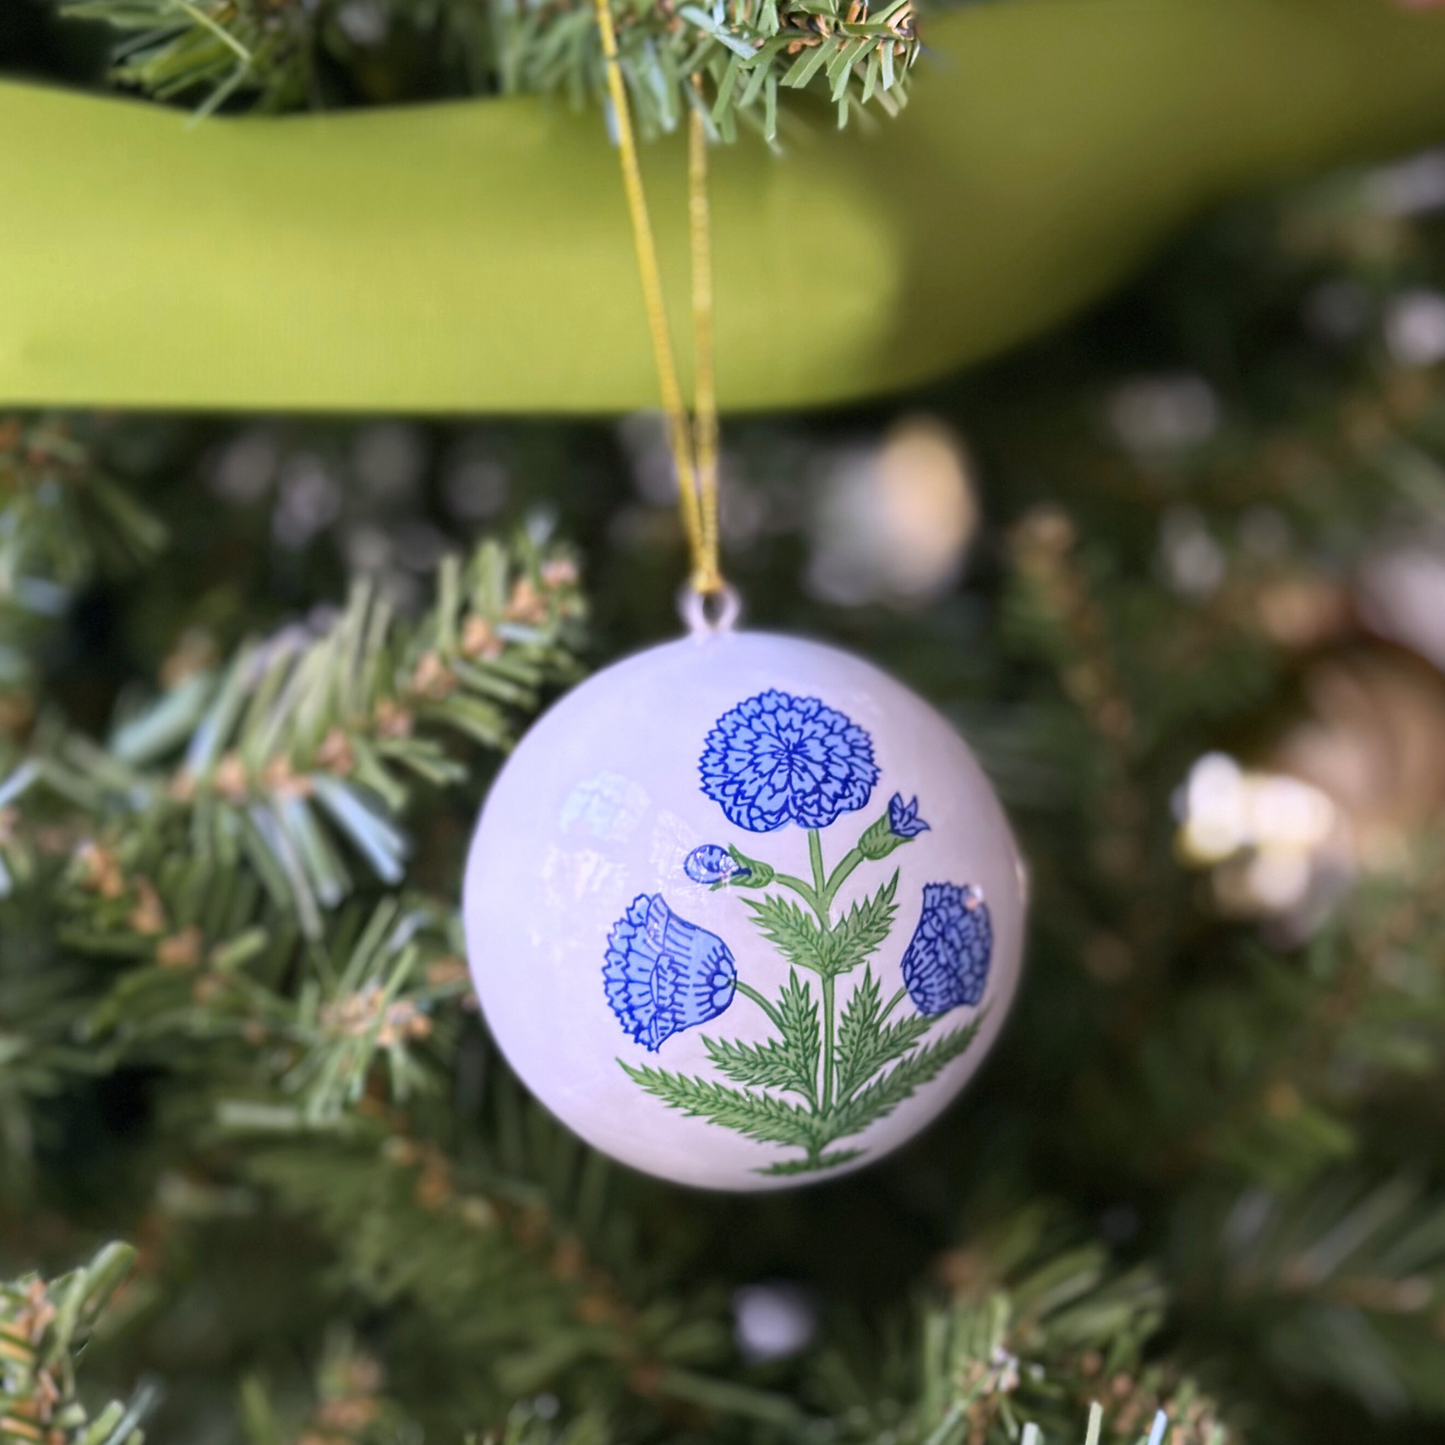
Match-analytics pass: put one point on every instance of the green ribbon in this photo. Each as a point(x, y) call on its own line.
point(474, 256)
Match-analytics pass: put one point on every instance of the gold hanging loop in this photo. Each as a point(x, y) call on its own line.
point(694, 453)
point(705, 422)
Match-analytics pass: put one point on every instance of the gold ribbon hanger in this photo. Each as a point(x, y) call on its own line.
point(693, 443)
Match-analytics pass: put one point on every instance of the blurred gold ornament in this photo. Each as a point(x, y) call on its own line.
point(894, 522)
point(1375, 744)
point(1344, 789)
point(1303, 612)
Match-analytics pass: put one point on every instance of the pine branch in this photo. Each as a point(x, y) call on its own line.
point(63, 522)
point(304, 1031)
point(212, 913)
point(731, 59)
point(1032, 1331)
point(43, 1327)
point(63, 525)
point(293, 763)
point(1338, 1284)
point(520, 1260)
point(349, 1406)
point(208, 851)
point(746, 51)
point(1268, 1068)
point(210, 50)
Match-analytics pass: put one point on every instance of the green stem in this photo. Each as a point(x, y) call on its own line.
point(892, 1004)
point(748, 991)
point(801, 889)
point(820, 876)
point(828, 982)
point(840, 876)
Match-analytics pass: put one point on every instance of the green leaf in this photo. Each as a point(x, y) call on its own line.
point(750, 872)
point(858, 1031)
point(800, 1027)
point(789, 1063)
point(761, 1066)
point(792, 931)
point(865, 1044)
point(884, 1095)
point(862, 930)
point(754, 1115)
point(879, 839)
point(809, 62)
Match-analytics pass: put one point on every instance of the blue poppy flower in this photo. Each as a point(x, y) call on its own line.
point(664, 974)
point(777, 759)
point(947, 959)
point(903, 819)
point(712, 863)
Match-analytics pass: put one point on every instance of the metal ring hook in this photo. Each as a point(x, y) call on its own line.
point(709, 613)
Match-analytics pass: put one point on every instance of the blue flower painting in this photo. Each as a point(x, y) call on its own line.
point(776, 759)
point(903, 819)
point(946, 963)
point(664, 974)
point(838, 1053)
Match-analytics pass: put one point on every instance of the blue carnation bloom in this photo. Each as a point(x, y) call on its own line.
point(947, 959)
point(903, 817)
point(712, 863)
point(664, 974)
point(777, 759)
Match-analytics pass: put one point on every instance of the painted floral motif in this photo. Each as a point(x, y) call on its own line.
point(903, 819)
point(712, 863)
point(946, 963)
point(839, 1056)
point(664, 974)
point(777, 759)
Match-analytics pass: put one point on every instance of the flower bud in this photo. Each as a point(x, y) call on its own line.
point(711, 863)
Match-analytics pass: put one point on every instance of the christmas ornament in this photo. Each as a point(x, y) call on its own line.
point(743, 911)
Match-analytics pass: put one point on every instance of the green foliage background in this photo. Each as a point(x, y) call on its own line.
point(1202, 1170)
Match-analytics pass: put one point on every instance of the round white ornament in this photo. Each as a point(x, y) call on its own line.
point(743, 911)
